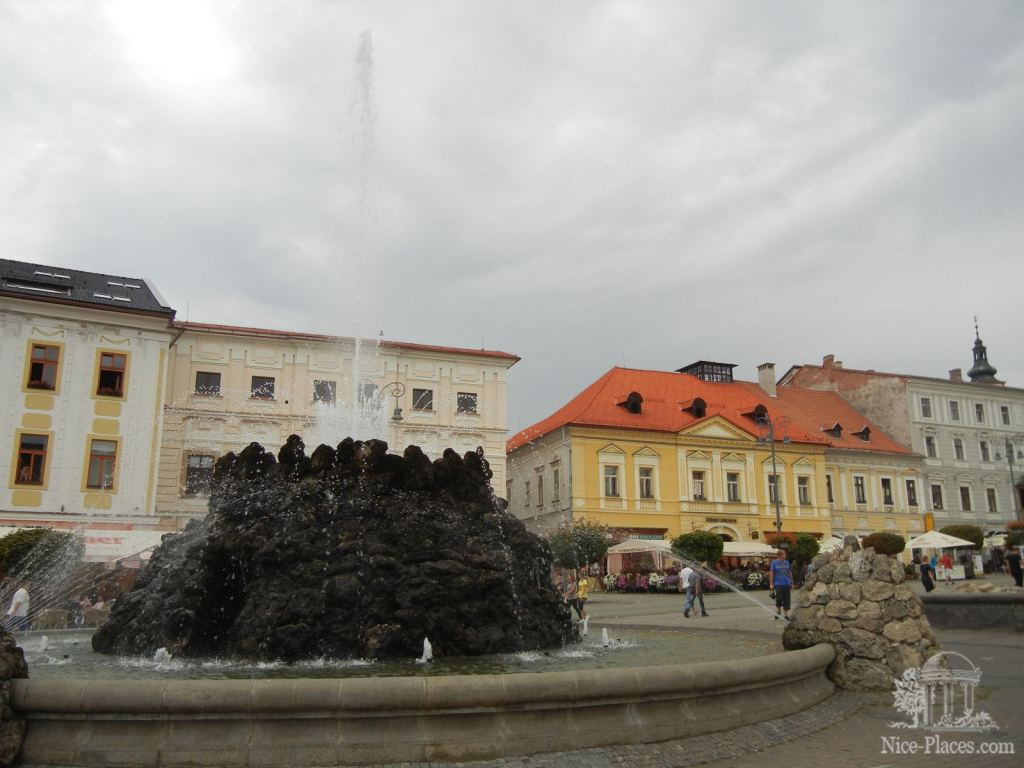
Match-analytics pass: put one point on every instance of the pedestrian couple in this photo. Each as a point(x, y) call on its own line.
point(690, 581)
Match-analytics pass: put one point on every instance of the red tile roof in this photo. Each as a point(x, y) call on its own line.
point(800, 414)
point(240, 330)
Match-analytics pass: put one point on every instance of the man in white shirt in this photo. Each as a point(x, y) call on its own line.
point(684, 586)
point(19, 610)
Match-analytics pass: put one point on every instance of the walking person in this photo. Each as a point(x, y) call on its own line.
point(570, 593)
point(687, 587)
point(695, 592)
point(927, 574)
point(780, 581)
point(18, 612)
point(582, 590)
point(1012, 562)
point(947, 567)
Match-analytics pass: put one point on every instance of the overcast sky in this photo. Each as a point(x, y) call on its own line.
point(583, 184)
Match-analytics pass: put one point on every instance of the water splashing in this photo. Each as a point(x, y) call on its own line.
point(428, 653)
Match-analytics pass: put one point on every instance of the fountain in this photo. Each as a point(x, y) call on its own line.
point(349, 553)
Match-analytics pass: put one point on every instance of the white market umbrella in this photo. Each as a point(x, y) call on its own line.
point(937, 540)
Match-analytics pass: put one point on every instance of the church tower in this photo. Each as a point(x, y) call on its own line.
point(982, 371)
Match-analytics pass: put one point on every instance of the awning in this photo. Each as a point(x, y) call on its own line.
point(108, 546)
point(748, 549)
point(640, 545)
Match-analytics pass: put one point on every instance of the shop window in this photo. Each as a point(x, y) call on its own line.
point(31, 459)
point(42, 369)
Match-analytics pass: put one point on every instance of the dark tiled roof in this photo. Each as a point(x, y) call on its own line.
point(72, 286)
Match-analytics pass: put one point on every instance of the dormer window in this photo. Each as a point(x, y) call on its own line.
point(758, 415)
point(836, 430)
point(633, 402)
point(697, 407)
point(864, 433)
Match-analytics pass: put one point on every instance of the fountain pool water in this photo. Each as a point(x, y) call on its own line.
point(69, 656)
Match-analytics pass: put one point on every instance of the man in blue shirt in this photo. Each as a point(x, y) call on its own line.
point(780, 579)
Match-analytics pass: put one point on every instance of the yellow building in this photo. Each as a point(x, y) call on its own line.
point(656, 454)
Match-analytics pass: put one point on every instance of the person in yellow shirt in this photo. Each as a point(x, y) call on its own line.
point(582, 589)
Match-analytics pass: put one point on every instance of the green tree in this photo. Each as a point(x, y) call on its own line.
point(803, 551)
point(580, 544)
point(701, 546)
point(1014, 533)
point(884, 543)
point(971, 533)
point(31, 549)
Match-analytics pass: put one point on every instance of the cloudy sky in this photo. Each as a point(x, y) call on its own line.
point(584, 184)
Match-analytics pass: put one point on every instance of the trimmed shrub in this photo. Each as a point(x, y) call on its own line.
point(702, 546)
point(884, 543)
point(971, 533)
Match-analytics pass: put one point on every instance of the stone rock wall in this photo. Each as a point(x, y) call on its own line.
point(12, 729)
point(351, 552)
point(857, 602)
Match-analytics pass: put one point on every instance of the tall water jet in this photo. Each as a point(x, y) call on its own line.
point(351, 552)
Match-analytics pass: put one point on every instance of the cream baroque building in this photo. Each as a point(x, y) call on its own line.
point(230, 386)
point(83, 378)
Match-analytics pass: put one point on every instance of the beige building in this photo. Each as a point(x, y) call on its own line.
point(229, 386)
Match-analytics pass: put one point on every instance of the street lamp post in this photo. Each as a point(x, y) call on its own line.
point(1014, 496)
point(396, 389)
point(767, 422)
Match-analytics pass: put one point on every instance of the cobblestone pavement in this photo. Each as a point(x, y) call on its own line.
point(846, 731)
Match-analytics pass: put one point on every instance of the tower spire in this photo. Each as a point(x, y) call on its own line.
point(982, 371)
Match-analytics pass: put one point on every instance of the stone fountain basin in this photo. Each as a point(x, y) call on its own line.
point(360, 721)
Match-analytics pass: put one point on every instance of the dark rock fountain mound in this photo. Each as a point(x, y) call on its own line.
point(351, 552)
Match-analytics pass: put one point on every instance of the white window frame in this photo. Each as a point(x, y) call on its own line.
point(958, 449)
point(643, 492)
point(892, 492)
point(738, 485)
point(970, 498)
point(926, 405)
point(862, 486)
point(615, 477)
point(804, 494)
point(699, 485)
